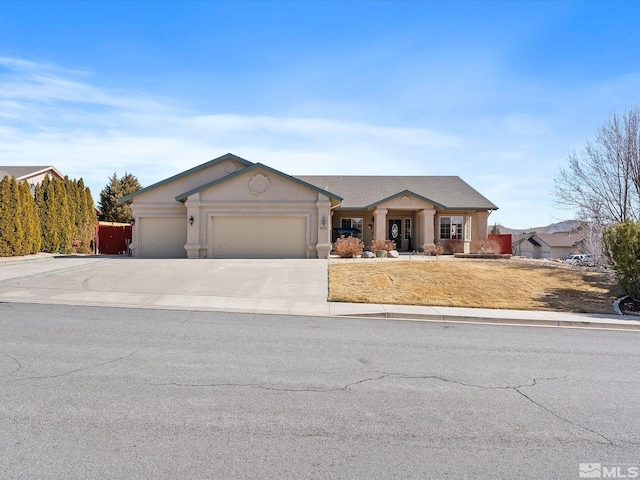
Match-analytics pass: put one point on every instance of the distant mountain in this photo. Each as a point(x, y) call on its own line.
point(564, 226)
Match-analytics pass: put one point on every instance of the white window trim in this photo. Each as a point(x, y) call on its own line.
point(407, 228)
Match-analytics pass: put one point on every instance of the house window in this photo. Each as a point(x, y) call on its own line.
point(407, 228)
point(353, 223)
point(450, 228)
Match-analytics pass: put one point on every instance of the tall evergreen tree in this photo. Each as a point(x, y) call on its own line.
point(86, 217)
point(6, 213)
point(46, 200)
point(115, 189)
point(19, 245)
point(64, 220)
point(33, 222)
point(71, 191)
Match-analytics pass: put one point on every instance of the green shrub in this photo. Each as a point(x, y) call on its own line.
point(622, 247)
point(348, 247)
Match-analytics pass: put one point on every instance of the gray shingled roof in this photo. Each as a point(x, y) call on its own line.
point(450, 192)
point(559, 239)
point(21, 171)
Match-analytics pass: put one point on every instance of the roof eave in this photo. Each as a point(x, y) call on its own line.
point(128, 198)
point(183, 197)
point(404, 192)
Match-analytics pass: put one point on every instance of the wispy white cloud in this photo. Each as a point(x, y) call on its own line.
point(63, 117)
point(57, 116)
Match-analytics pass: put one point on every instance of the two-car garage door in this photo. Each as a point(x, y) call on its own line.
point(259, 237)
point(231, 237)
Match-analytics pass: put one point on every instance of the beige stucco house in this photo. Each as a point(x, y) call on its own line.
point(33, 175)
point(548, 245)
point(232, 208)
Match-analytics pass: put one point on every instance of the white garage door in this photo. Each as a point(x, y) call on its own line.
point(259, 237)
point(162, 237)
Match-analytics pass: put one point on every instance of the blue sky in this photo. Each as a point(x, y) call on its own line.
point(498, 93)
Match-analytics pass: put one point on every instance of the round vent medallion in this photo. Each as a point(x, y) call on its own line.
point(230, 167)
point(405, 200)
point(394, 231)
point(259, 184)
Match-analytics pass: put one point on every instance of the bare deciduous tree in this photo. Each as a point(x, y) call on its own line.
point(602, 182)
point(592, 240)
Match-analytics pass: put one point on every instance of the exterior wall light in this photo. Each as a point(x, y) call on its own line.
point(191, 220)
point(133, 222)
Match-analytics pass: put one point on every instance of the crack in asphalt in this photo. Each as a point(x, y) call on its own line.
point(18, 367)
point(607, 439)
point(516, 388)
point(272, 389)
point(72, 371)
point(349, 385)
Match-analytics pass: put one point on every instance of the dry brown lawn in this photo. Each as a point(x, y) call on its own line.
point(508, 284)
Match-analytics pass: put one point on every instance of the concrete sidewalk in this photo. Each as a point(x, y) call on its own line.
point(289, 287)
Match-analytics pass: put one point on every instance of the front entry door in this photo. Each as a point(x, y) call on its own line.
point(395, 232)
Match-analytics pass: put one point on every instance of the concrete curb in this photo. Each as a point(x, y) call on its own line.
point(613, 325)
point(616, 305)
point(628, 325)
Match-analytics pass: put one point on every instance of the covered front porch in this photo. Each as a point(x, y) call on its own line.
point(412, 224)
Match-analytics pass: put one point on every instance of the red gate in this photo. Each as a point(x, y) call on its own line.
point(504, 241)
point(113, 238)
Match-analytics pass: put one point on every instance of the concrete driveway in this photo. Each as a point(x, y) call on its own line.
point(293, 287)
point(266, 286)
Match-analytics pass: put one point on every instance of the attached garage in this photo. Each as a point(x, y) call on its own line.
point(162, 237)
point(259, 236)
point(232, 208)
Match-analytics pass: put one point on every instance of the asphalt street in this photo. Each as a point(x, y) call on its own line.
point(105, 393)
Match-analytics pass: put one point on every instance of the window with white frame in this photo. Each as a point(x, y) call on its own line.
point(407, 228)
point(353, 223)
point(450, 228)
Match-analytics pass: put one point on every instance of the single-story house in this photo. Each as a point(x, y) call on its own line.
point(230, 207)
point(32, 175)
point(548, 245)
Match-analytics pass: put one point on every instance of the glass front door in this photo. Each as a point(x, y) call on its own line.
point(395, 232)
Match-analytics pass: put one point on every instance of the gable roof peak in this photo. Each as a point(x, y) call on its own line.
point(197, 168)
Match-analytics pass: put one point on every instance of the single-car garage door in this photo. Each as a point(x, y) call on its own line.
point(259, 237)
point(162, 237)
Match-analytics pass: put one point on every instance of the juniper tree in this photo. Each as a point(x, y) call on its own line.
point(6, 214)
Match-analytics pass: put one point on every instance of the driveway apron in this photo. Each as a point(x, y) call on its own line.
point(276, 286)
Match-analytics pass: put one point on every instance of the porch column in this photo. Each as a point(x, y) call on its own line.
point(466, 228)
point(426, 225)
point(481, 220)
point(323, 247)
point(134, 235)
point(193, 247)
point(380, 223)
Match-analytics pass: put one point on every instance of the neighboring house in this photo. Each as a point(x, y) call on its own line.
point(32, 175)
point(232, 208)
point(548, 245)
